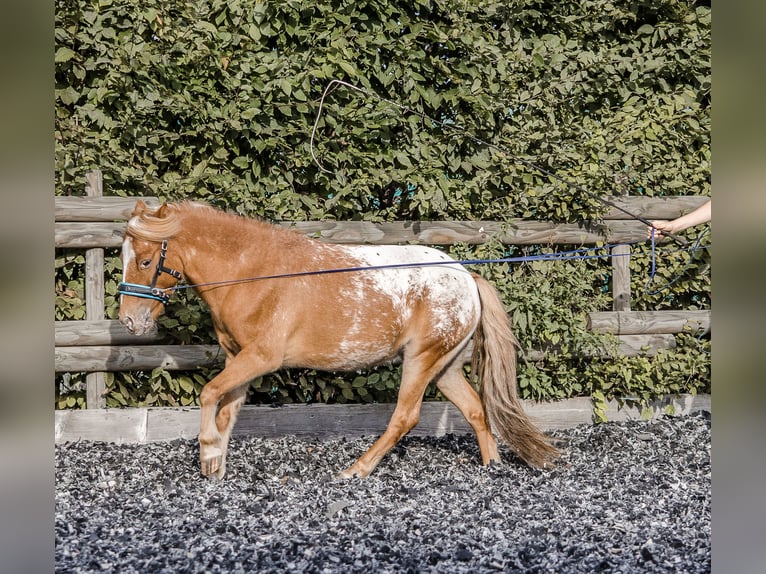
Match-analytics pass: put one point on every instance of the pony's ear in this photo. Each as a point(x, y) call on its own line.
point(139, 209)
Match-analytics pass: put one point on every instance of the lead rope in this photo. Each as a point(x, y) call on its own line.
point(162, 295)
point(575, 254)
point(691, 250)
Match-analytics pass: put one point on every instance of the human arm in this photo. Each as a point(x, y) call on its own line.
point(700, 215)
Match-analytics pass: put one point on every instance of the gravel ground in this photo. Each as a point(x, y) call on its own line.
point(632, 497)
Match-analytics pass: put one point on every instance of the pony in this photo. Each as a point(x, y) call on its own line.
point(274, 305)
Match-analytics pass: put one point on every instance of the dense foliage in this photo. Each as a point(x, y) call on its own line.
point(216, 100)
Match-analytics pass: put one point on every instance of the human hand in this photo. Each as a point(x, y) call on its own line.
point(700, 215)
point(659, 227)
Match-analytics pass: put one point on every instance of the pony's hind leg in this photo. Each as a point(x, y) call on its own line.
point(417, 372)
point(454, 386)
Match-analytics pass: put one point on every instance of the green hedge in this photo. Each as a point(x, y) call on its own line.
point(216, 100)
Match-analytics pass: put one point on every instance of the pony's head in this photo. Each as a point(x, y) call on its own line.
point(149, 266)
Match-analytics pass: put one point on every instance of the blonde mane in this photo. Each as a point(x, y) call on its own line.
point(167, 222)
point(156, 226)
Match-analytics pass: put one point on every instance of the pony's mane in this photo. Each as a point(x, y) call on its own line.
point(148, 226)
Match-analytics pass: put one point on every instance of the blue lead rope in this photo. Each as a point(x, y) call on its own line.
point(678, 276)
point(575, 254)
point(654, 266)
point(163, 295)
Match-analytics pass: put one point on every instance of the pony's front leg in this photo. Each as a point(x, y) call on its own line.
point(225, 419)
point(213, 439)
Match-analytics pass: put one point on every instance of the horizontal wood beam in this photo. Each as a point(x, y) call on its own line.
point(111, 332)
point(514, 232)
point(110, 208)
point(138, 358)
point(146, 357)
point(142, 425)
point(667, 207)
point(86, 235)
point(88, 222)
point(649, 322)
point(103, 332)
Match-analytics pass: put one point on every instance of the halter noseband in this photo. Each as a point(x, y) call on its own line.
point(151, 291)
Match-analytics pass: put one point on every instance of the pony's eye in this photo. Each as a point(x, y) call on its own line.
point(145, 263)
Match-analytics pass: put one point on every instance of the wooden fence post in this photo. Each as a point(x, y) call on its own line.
point(621, 278)
point(94, 296)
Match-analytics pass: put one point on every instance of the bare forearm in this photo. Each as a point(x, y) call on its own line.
point(700, 215)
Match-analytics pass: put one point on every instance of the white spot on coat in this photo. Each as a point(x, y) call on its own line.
point(128, 257)
point(449, 290)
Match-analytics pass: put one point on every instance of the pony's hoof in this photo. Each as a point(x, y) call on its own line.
point(351, 472)
point(212, 467)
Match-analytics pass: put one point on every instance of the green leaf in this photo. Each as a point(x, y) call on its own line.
point(68, 95)
point(359, 382)
point(63, 54)
point(241, 162)
point(347, 67)
point(254, 32)
point(186, 384)
point(250, 113)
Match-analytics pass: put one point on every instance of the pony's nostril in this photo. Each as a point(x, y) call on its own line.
point(128, 322)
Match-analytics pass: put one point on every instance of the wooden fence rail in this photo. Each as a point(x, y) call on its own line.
point(84, 346)
point(152, 424)
point(94, 222)
point(83, 222)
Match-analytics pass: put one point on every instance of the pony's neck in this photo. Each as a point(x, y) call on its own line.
point(216, 246)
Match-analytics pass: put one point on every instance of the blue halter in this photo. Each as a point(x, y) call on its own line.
point(151, 291)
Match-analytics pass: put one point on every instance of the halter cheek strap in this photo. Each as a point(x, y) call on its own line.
point(152, 291)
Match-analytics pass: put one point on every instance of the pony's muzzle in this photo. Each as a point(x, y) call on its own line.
point(139, 325)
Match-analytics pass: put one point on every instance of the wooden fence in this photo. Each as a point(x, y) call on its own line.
point(94, 222)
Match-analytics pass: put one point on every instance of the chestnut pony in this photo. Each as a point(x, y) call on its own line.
point(422, 315)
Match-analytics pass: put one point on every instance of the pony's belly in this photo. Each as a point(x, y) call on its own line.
point(343, 354)
point(341, 362)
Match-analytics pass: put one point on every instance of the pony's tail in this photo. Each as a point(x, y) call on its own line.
point(494, 361)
